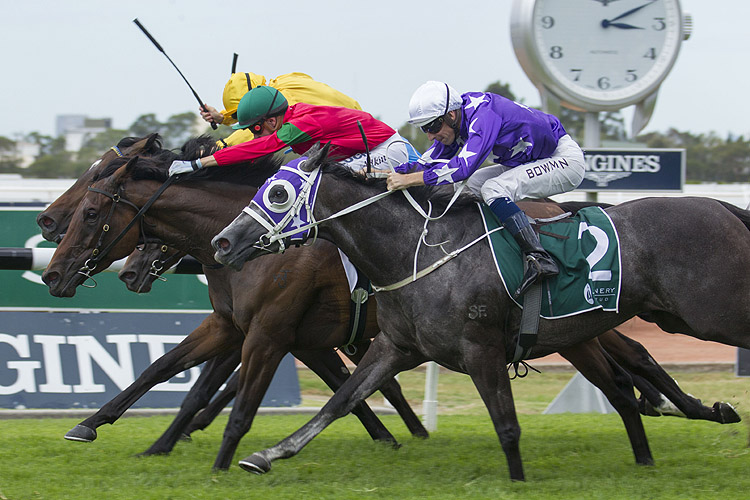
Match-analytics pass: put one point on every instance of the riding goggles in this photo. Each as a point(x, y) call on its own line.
point(434, 126)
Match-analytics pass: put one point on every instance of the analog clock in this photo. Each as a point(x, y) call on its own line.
point(597, 55)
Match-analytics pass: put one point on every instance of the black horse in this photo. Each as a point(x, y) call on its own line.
point(682, 259)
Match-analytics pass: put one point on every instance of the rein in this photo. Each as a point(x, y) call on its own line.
point(98, 254)
point(276, 234)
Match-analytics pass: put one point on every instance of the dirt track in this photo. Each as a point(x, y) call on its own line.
point(668, 348)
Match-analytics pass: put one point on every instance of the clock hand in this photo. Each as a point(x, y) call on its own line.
point(623, 26)
point(631, 11)
point(605, 2)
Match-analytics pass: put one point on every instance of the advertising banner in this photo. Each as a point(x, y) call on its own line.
point(80, 352)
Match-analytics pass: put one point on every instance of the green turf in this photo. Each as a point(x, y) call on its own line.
point(565, 456)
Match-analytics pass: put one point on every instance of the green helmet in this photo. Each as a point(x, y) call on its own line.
point(258, 104)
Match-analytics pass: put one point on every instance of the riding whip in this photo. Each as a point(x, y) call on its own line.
point(234, 63)
point(367, 149)
point(156, 44)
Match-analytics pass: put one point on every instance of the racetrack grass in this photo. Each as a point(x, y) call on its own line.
point(565, 456)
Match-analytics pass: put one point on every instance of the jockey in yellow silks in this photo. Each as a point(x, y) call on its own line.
point(295, 87)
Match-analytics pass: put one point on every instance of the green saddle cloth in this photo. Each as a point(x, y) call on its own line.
point(586, 248)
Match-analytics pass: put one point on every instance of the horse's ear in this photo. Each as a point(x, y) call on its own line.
point(129, 166)
point(153, 143)
point(124, 171)
point(316, 156)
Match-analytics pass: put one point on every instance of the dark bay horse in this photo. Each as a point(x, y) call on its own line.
point(299, 304)
point(682, 259)
point(216, 338)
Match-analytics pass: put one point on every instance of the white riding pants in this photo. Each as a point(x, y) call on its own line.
point(560, 173)
point(392, 152)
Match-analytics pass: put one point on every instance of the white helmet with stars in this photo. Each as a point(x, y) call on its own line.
point(431, 100)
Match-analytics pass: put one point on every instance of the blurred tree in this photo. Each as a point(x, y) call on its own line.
point(9, 161)
point(174, 132)
point(144, 125)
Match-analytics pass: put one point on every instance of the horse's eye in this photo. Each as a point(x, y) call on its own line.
point(278, 195)
point(91, 215)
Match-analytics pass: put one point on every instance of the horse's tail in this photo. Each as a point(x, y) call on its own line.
point(741, 214)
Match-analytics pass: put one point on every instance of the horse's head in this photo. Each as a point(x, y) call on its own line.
point(274, 217)
point(146, 265)
point(89, 244)
point(54, 219)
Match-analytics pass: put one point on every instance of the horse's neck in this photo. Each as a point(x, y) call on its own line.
point(382, 239)
point(188, 216)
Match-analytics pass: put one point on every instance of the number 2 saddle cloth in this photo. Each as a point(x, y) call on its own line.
point(587, 250)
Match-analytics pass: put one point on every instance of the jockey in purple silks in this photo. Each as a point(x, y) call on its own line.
point(532, 156)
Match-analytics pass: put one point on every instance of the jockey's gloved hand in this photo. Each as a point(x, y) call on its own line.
point(184, 166)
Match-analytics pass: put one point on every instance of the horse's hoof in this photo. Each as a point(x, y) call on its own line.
point(727, 413)
point(422, 434)
point(255, 463)
point(81, 433)
point(647, 409)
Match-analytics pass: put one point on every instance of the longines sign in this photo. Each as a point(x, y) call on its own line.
point(79, 360)
point(634, 170)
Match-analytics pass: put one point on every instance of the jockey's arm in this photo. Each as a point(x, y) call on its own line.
point(402, 181)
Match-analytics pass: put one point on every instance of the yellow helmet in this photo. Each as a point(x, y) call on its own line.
point(237, 86)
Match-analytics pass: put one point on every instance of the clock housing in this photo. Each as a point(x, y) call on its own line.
point(597, 55)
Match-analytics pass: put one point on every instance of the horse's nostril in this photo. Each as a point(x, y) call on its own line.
point(223, 243)
point(51, 278)
point(47, 222)
point(127, 276)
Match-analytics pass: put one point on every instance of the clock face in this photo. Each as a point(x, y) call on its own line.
point(604, 54)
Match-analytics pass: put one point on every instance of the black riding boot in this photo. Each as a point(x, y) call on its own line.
point(541, 265)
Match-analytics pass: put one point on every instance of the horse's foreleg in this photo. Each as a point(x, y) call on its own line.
point(327, 365)
point(204, 417)
point(259, 363)
point(215, 373)
point(382, 361)
point(632, 356)
point(202, 344)
point(392, 392)
point(594, 364)
point(490, 377)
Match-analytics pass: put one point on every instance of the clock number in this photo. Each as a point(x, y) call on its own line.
point(548, 22)
point(660, 25)
point(576, 74)
point(650, 54)
point(631, 76)
point(603, 83)
point(555, 52)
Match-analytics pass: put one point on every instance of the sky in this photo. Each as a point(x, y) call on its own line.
point(87, 57)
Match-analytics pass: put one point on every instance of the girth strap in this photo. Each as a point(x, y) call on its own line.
point(357, 312)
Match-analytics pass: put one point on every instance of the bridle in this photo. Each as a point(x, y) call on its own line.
point(98, 253)
point(276, 232)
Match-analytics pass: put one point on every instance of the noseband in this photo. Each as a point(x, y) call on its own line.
point(98, 253)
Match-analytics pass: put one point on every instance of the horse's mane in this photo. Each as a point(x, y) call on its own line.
point(155, 164)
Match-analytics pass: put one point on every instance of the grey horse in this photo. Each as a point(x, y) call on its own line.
point(682, 259)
